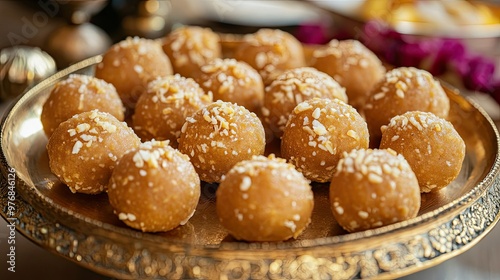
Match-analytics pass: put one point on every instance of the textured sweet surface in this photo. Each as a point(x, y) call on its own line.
point(219, 136)
point(270, 52)
point(318, 132)
point(84, 150)
point(401, 90)
point(373, 188)
point(154, 188)
point(264, 199)
point(233, 81)
point(78, 94)
point(130, 65)
point(431, 145)
point(352, 65)
point(291, 88)
point(190, 47)
point(162, 110)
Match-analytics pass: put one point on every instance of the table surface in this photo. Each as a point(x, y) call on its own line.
point(33, 262)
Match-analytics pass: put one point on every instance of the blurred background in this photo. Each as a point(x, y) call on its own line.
point(456, 40)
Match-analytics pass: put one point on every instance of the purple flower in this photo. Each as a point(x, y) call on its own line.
point(412, 54)
point(449, 50)
point(495, 93)
point(312, 33)
point(480, 76)
point(374, 36)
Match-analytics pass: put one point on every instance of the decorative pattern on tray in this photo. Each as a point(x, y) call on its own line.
point(122, 260)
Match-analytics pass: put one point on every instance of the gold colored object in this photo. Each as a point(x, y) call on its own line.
point(21, 67)
point(450, 18)
point(152, 20)
point(69, 44)
point(78, 39)
point(459, 12)
point(85, 230)
point(80, 11)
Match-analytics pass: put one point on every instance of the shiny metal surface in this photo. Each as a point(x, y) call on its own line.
point(21, 67)
point(83, 228)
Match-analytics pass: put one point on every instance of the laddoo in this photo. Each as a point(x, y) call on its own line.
point(291, 88)
point(77, 94)
point(373, 188)
point(130, 65)
point(430, 144)
point(219, 136)
point(401, 90)
point(264, 199)
point(191, 47)
point(233, 81)
point(154, 188)
point(84, 150)
point(318, 132)
point(352, 65)
point(162, 110)
point(270, 52)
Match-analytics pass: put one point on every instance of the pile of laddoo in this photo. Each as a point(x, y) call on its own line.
point(160, 117)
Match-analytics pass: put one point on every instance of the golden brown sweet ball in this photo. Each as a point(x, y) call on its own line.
point(373, 188)
point(77, 94)
point(291, 88)
point(130, 65)
point(154, 188)
point(84, 150)
point(264, 199)
point(270, 52)
point(219, 136)
point(190, 47)
point(162, 110)
point(233, 81)
point(352, 65)
point(318, 132)
point(401, 90)
point(431, 145)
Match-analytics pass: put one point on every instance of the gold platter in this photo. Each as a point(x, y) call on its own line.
point(83, 228)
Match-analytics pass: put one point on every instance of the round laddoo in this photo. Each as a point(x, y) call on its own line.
point(233, 81)
point(77, 94)
point(352, 65)
point(318, 132)
point(154, 188)
point(130, 65)
point(291, 88)
point(162, 110)
point(219, 136)
point(373, 188)
point(270, 52)
point(431, 145)
point(84, 150)
point(401, 90)
point(264, 199)
point(190, 47)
